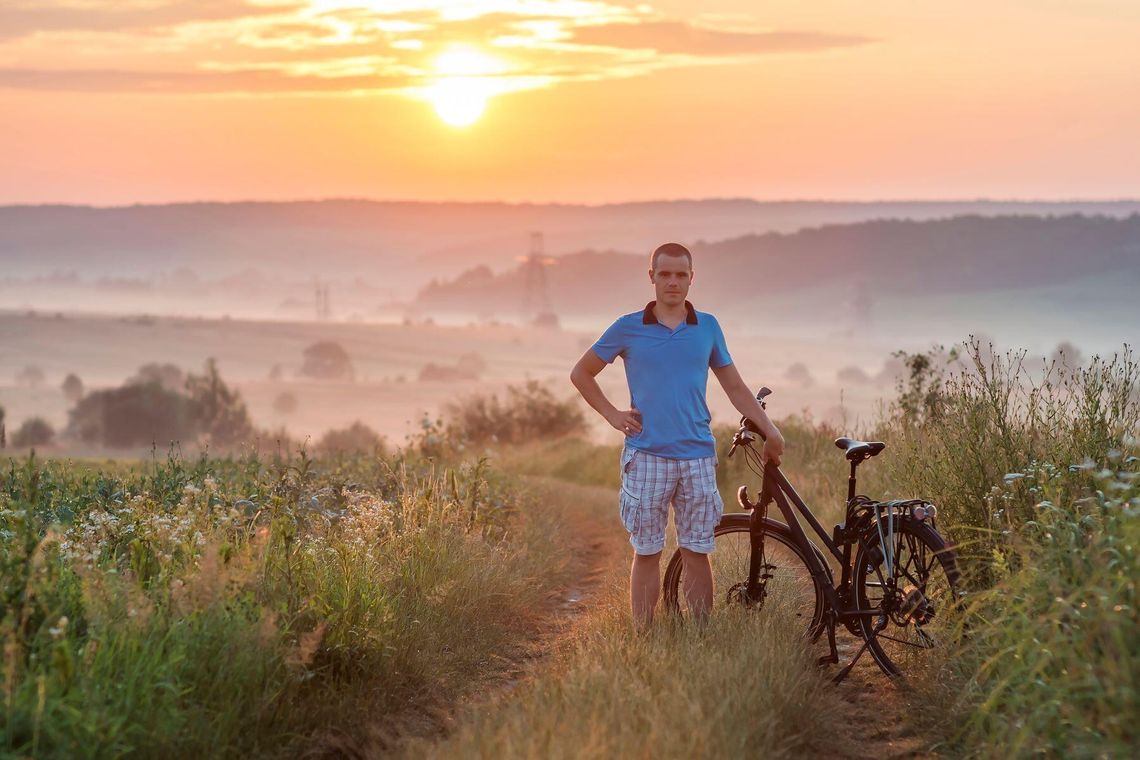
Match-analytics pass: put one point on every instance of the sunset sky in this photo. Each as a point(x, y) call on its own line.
point(567, 100)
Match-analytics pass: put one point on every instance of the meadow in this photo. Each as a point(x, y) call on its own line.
point(464, 594)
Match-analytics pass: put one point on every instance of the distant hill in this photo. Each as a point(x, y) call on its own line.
point(406, 243)
point(900, 259)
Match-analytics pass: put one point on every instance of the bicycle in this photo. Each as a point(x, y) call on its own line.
point(897, 573)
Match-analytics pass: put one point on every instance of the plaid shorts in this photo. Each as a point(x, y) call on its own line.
point(649, 483)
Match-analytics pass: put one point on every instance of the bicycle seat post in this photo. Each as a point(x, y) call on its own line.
point(851, 482)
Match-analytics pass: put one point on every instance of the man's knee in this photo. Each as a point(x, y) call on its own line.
point(647, 559)
point(688, 555)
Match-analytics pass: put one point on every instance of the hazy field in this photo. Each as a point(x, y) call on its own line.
point(386, 393)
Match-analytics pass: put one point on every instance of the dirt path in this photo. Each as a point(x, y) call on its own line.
point(874, 719)
point(878, 717)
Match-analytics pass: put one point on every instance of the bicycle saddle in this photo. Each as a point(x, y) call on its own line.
point(859, 449)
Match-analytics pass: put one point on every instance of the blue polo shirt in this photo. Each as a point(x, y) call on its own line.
point(668, 373)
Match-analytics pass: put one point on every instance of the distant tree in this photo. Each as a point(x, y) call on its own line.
point(852, 376)
point(169, 376)
point(3, 432)
point(357, 437)
point(285, 403)
point(72, 387)
point(326, 360)
point(799, 374)
point(528, 413)
point(34, 432)
point(134, 414)
point(432, 372)
point(1067, 355)
point(31, 376)
point(471, 365)
point(276, 373)
point(217, 410)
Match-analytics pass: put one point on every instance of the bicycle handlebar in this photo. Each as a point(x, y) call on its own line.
point(746, 425)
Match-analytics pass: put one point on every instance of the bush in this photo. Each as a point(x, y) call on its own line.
point(528, 413)
point(285, 403)
point(169, 376)
point(72, 387)
point(467, 367)
point(852, 376)
point(217, 410)
point(31, 376)
point(356, 438)
point(326, 360)
point(799, 374)
point(145, 410)
point(1035, 475)
point(135, 414)
point(34, 432)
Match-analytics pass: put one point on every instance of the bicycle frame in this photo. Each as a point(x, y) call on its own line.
point(777, 487)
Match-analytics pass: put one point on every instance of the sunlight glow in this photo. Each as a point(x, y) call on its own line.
point(468, 78)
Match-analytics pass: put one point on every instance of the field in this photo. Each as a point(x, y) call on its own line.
point(385, 392)
point(431, 602)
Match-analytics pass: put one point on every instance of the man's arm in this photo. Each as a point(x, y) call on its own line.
point(741, 397)
point(583, 376)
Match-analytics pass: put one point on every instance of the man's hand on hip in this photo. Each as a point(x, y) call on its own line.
point(628, 422)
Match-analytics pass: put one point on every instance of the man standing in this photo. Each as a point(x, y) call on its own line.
point(670, 453)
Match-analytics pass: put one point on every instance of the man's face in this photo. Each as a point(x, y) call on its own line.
point(671, 279)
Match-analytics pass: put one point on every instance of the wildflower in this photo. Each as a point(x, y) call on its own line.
point(60, 628)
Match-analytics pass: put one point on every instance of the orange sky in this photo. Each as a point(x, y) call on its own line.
point(571, 100)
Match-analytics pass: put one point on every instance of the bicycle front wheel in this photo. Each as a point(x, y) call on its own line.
point(914, 588)
point(789, 588)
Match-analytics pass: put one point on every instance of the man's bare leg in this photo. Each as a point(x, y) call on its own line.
point(698, 582)
point(644, 585)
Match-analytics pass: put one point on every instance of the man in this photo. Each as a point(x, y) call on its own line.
point(669, 453)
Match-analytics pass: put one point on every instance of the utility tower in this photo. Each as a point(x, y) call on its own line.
point(324, 310)
point(536, 298)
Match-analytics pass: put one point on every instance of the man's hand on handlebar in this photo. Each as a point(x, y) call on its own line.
point(773, 448)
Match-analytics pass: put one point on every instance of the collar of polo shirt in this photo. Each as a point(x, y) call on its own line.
point(649, 318)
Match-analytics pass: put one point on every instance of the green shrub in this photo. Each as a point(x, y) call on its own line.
point(242, 607)
point(528, 413)
point(35, 431)
point(1035, 475)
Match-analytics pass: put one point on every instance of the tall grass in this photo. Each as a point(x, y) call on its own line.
point(743, 686)
point(1035, 473)
point(237, 607)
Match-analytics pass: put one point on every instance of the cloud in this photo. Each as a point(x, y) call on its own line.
point(19, 19)
point(217, 46)
point(680, 37)
point(246, 81)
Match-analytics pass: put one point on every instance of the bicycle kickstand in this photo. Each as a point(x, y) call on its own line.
point(833, 657)
point(866, 642)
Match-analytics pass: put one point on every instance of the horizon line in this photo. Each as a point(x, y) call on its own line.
point(632, 202)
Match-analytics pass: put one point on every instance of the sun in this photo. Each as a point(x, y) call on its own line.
point(466, 78)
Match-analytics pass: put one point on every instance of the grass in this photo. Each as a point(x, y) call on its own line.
point(276, 606)
point(235, 607)
point(743, 685)
point(1035, 472)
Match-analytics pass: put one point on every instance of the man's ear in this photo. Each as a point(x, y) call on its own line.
point(651, 274)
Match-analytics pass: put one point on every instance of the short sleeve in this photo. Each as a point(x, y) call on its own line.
point(719, 356)
point(612, 343)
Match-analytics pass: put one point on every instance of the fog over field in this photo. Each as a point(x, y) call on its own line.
point(434, 301)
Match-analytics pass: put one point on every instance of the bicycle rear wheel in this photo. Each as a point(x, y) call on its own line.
point(790, 589)
point(916, 597)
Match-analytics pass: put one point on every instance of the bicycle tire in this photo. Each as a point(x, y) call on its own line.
point(924, 562)
point(791, 587)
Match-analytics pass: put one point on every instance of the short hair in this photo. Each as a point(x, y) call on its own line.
point(670, 249)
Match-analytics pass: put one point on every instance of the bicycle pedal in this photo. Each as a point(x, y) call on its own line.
point(827, 659)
